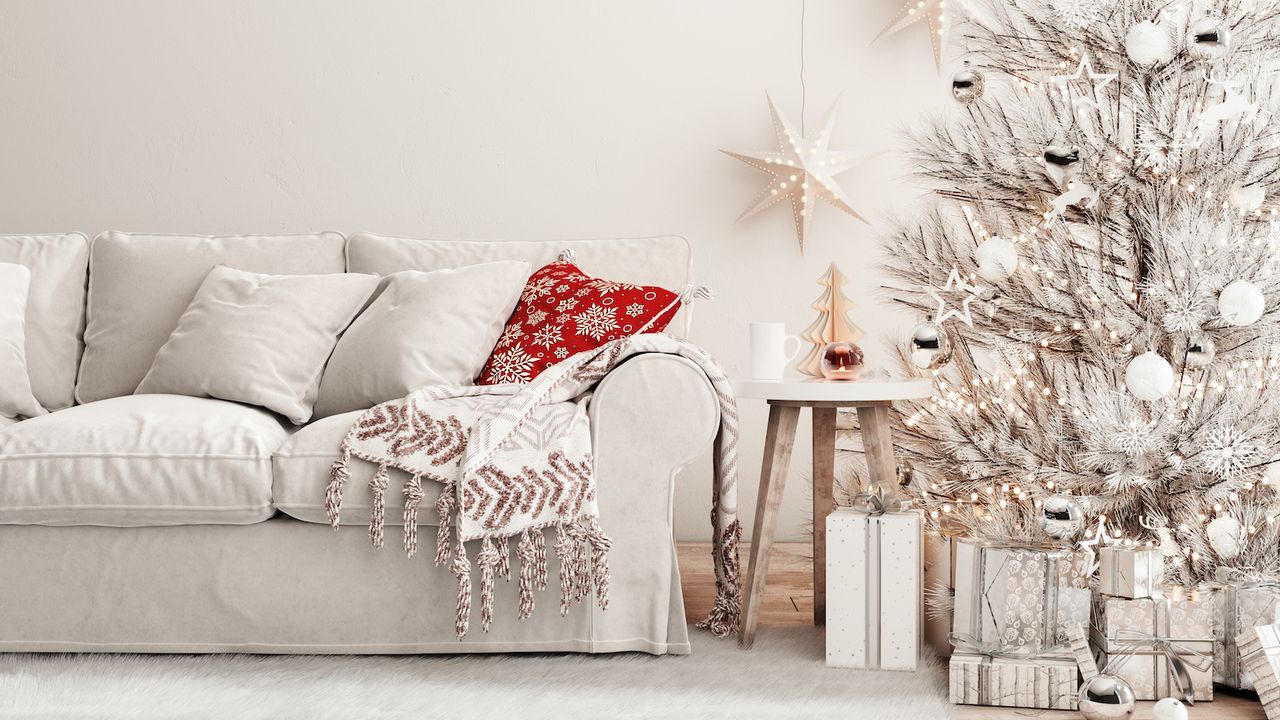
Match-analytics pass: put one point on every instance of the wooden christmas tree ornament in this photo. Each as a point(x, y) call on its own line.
point(832, 323)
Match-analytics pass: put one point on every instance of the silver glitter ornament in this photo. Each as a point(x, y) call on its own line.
point(1062, 163)
point(1208, 38)
point(1106, 697)
point(930, 346)
point(968, 85)
point(1200, 352)
point(1062, 516)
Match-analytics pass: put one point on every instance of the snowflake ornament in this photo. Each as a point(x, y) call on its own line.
point(1077, 15)
point(1227, 452)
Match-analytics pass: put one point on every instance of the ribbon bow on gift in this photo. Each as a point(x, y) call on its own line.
point(1246, 577)
point(873, 502)
point(970, 645)
point(1135, 641)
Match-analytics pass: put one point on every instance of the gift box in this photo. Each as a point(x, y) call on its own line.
point(1016, 597)
point(873, 589)
point(1025, 682)
point(1130, 572)
point(1162, 646)
point(1242, 601)
point(1260, 648)
point(938, 577)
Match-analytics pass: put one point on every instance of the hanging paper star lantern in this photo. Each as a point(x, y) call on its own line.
point(802, 170)
point(933, 12)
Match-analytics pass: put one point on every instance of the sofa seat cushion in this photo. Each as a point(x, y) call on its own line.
point(140, 461)
point(302, 470)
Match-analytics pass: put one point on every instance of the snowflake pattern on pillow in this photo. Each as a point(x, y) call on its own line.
point(562, 312)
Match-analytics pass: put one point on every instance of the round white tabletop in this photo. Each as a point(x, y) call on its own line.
point(817, 390)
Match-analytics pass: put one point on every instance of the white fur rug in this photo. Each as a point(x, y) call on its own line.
point(783, 676)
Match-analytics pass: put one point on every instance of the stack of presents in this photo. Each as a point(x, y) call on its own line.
point(1008, 632)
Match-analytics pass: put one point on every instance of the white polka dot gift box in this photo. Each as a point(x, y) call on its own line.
point(873, 588)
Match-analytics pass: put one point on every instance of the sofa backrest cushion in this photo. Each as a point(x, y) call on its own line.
point(59, 266)
point(664, 261)
point(139, 286)
point(15, 383)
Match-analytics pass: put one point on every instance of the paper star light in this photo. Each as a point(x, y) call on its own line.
point(1096, 542)
point(802, 170)
point(955, 284)
point(934, 13)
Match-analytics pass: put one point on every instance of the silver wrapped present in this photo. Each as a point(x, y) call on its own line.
point(1242, 600)
point(1260, 648)
point(1130, 571)
point(1162, 646)
point(1017, 597)
point(1025, 682)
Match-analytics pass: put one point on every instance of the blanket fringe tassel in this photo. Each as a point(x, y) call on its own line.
point(488, 562)
point(377, 515)
point(461, 569)
point(444, 508)
point(412, 498)
point(725, 618)
point(339, 475)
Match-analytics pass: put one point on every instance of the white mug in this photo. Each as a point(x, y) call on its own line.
point(769, 354)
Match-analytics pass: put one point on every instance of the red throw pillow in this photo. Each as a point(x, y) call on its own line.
point(562, 312)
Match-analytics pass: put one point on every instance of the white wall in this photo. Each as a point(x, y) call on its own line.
point(476, 119)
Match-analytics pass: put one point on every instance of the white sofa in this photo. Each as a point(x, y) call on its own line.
point(163, 523)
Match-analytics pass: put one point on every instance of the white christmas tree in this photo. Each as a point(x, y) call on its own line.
point(1105, 185)
point(832, 324)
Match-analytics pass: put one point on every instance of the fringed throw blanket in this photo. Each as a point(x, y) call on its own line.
point(515, 460)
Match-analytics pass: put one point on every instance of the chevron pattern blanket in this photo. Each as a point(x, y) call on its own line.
point(516, 460)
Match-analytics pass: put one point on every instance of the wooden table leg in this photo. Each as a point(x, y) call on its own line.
point(878, 443)
point(779, 440)
point(824, 477)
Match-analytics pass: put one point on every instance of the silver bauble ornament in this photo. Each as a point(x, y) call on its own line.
point(1062, 163)
point(1062, 516)
point(1208, 38)
point(1200, 353)
point(1106, 697)
point(930, 346)
point(968, 85)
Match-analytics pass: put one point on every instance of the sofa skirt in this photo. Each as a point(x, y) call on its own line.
point(286, 586)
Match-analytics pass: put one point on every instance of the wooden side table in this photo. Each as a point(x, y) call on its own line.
point(872, 398)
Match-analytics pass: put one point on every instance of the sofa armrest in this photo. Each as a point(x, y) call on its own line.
point(655, 413)
point(650, 417)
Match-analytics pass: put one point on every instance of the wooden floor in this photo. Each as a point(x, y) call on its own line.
point(788, 600)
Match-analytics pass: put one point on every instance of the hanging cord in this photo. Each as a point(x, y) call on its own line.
point(802, 89)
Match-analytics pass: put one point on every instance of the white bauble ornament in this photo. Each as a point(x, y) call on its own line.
point(1148, 43)
point(1241, 303)
point(1247, 199)
point(997, 259)
point(1169, 709)
point(1272, 475)
point(1149, 376)
point(1226, 537)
